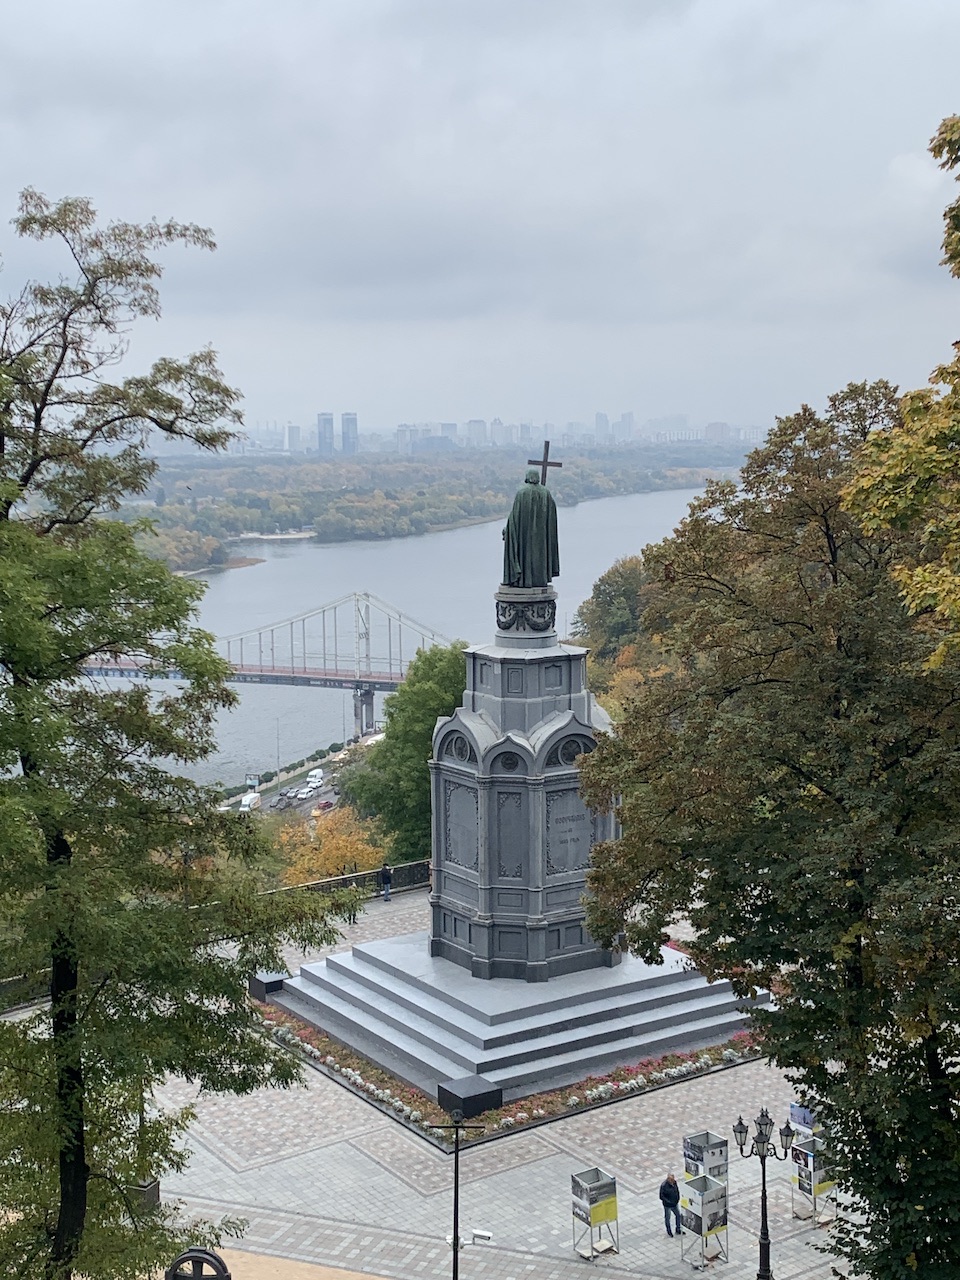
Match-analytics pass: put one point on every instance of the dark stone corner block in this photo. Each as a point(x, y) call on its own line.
point(470, 1094)
point(261, 985)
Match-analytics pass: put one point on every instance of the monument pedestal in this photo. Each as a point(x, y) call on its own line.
point(429, 1021)
point(511, 836)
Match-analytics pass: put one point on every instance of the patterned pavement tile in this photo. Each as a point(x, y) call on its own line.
point(256, 1129)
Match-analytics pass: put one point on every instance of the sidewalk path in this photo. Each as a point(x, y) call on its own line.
point(322, 1177)
point(257, 1266)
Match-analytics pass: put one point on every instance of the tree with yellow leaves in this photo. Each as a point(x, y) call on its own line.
point(334, 843)
point(907, 473)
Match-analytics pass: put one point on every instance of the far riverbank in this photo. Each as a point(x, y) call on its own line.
point(466, 523)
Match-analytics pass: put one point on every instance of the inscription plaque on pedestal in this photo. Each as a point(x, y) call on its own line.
point(460, 825)
point(569, 834)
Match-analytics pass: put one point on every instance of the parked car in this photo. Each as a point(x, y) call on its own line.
point(322, 807)
point(314, 777)
point(304, 793)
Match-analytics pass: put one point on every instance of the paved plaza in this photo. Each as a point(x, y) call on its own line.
point(323, 1177)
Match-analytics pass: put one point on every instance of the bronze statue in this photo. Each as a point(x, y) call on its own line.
point(531, 556)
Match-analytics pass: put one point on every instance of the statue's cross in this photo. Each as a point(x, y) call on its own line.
point(543, 462)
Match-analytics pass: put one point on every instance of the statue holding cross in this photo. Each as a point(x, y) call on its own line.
point(531, 555)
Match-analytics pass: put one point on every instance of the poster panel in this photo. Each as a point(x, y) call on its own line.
point(703, 1206)
point(812, 1171)
point(705, 1154)
point(594, 1197)
point(714, 1209)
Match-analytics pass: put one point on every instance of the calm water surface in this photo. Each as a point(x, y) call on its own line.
point(443, 580)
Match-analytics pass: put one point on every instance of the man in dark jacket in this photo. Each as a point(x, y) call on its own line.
point(670, 1199)
point(386, 880)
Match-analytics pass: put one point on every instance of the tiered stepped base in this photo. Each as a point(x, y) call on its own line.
point(427, 1020)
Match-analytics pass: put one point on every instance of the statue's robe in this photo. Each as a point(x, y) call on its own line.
point(531, 555)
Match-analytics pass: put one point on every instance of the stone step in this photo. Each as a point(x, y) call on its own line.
point(563, 1069)
point(427, 1020)
point(391, 991)
point(427, 1065)
point(588, 984)
point(406, 1058)
point(534, 1036)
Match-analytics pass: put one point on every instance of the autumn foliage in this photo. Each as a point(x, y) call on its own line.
point(332, 844)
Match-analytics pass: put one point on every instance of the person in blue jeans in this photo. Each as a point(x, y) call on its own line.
point(670, 1199)
point(386, 880)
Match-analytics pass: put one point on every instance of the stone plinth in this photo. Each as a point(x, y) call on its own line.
point(511, 836)
point(429, 1022)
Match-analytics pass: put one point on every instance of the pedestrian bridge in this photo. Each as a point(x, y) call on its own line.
point(358, 642)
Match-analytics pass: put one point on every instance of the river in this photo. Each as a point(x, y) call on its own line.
point(444, 580)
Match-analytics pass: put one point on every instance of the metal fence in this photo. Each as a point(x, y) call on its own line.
point(406, 875)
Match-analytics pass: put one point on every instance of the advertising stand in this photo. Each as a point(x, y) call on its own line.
point(703, 1205)
point(594, 1211)
point(813, 1189)
point(705, 1154)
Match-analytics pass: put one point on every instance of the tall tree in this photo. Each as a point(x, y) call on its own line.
point(906, 478)
point(393, 781)
point(790, 783)
point(121, 885)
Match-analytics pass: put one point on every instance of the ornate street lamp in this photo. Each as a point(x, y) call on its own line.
point(762, 1146)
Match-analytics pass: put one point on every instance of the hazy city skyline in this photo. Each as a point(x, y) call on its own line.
point(714, 207)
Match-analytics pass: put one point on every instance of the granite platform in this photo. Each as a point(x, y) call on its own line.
point(428, 1020)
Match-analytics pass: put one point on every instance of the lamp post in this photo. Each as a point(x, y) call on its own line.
point(762, 1147)
point(458, 1127)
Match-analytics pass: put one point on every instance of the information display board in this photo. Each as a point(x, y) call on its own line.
point(594, 1196)
point(594, 1204)
point(703, 1211)
point(705, 1154)
point(813, 1180)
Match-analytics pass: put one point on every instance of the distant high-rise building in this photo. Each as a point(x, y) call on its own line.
point(502, 433)
point(718, 432)
point(291, 438)
point(624, 429)
point(348, 433)
point(601, 427)
point(325, 435)
point(448, 430)
point(477, 431)
point(672, 427)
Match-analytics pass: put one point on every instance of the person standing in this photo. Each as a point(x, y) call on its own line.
point(386, 880)
point(670, 1199)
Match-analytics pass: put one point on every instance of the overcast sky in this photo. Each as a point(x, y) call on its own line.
point(532, 209)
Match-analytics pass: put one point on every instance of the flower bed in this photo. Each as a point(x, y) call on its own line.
point(422, 1113)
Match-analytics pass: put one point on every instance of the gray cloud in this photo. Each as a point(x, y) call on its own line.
point(430, 210)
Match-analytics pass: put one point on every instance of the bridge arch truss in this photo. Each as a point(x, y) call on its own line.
point(359, 642)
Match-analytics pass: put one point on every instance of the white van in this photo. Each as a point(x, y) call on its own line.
point(250, 802)
point(314, 778)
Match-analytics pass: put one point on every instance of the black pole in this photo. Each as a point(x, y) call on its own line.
point(456, 1202)
point(458, 1126)
point(764, 1273)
